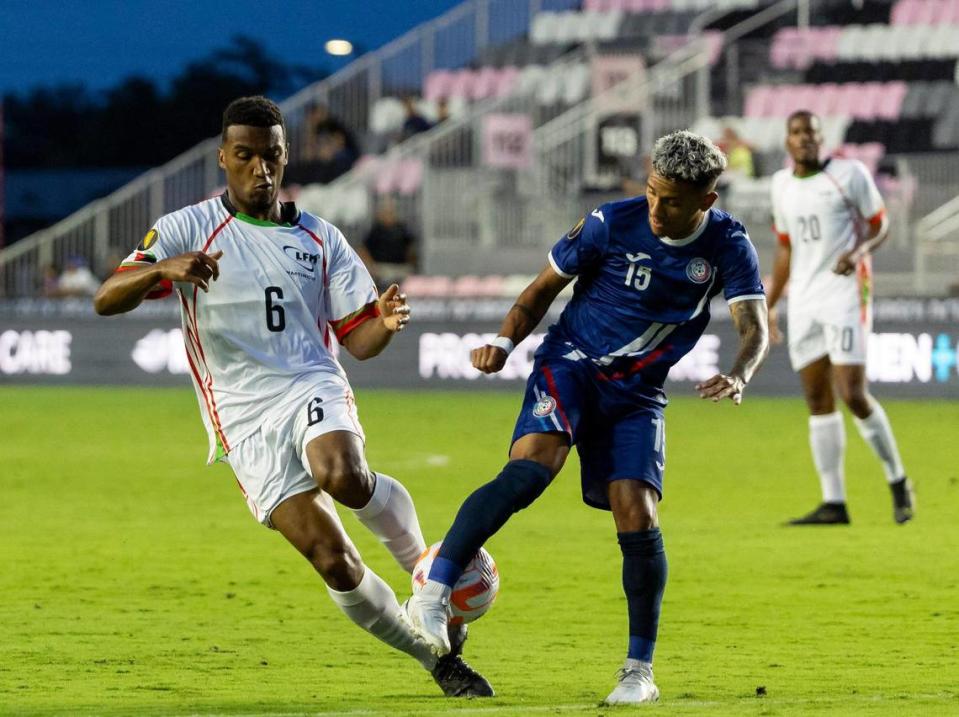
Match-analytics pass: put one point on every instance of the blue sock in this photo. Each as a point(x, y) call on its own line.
point(485, 512)
point(644, 580)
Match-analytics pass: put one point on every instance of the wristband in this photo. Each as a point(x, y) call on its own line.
point(501, 342)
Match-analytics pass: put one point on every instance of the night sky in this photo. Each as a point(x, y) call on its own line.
point(98, 42)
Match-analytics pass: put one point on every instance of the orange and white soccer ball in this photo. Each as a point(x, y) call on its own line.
point(473, 593)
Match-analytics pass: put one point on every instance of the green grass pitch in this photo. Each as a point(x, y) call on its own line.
point(134, 581)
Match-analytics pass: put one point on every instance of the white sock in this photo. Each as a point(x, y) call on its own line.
point(373, 606)
point(827, 438)
point(391, 516)
point(876, 431)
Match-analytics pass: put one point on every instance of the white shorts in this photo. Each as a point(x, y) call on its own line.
point(842, 336)
point(270, 464)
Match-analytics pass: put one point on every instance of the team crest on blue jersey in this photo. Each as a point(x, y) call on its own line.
point(544, 406)
point(698, 270)
point(575, 231)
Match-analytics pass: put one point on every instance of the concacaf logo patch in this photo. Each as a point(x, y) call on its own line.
point(544, 406)
point(149, 240)
point(575, 231)
point(698, 270)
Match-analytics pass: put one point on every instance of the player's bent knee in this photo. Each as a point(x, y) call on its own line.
point(340, 566)
point(349, 483)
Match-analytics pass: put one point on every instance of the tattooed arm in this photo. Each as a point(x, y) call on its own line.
point(521, 319)
point(751, 322)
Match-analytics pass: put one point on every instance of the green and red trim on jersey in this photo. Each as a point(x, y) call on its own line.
point(192, 340)
point(342, 327)
point(162, 289)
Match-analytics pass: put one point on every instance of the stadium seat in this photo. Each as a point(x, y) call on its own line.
point(484, 83)
point(409, 176)
point(891, 97)
point(543, 29)
point(437, 84)
point(506, 81)
point(758, 101)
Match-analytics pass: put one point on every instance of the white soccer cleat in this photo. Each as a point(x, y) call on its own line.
point(429, 614)
point(635, 686)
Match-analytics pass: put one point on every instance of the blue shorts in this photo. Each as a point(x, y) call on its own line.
point(618, 432)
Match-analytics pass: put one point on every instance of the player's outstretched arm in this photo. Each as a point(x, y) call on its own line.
point(125, 290)
point(750, 319)
point(371, 337)
point(521, 319)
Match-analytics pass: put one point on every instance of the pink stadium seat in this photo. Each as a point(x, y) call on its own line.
point(758, 101)
point(467, 286)
point(781, 49)
point(491, 285)
point(847, 99)
point(409, 176)
point(952, 17)
point(437, 84)
point(595, 5)
point(484, 83)
point(868, 98)
point(926, 13)
point(428, 285)
point(387, 177)
point(462, 84)
point(890, 102)
point(823, 42)
point(828, 99)
point(506, 81)
point(903, 12)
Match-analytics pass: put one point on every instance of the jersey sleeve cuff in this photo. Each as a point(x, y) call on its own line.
point(552, 263)
point(163, 288)
point(745, 297)
point(876, 219)
point(344, 326)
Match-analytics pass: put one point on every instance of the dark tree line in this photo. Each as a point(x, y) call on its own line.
point(138, 123)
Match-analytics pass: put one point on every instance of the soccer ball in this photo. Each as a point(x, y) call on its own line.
point(473, 593)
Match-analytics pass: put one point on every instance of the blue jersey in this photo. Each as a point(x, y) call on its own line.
point(641, 302)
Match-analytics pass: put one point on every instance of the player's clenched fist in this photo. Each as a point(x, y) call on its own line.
point(488, 359)
point(394, 310)
point(194, 267)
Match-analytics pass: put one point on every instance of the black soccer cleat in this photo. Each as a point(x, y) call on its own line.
point(903, 500)
point(825, 514)
point(458, 679)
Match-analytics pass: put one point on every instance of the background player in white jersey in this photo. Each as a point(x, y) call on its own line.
point(261, 287)
point(829, 217)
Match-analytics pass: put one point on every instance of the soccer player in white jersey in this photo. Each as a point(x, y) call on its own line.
point(263, 290)
point(829, 218)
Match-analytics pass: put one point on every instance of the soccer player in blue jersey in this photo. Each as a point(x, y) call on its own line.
point(646, 270)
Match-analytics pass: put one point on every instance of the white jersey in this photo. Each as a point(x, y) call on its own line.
point(263, 331)
point(820, 217)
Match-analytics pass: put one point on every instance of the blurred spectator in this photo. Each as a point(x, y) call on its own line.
point(330, 150)
point(442, 109)
point(389, 249)
point(739, 154)
point(77, 279)
point(414, 122)
point(50, 281)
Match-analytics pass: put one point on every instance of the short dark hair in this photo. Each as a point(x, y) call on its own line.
point(802, 113)
point(256, 111)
